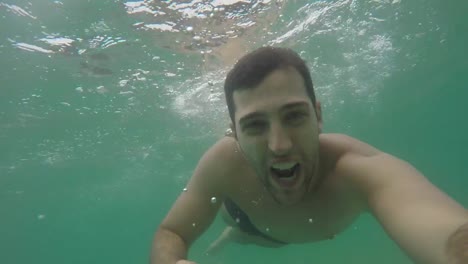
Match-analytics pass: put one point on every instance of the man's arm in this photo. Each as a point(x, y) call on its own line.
point(168, 247)
point(194, 210)
point(420, 218)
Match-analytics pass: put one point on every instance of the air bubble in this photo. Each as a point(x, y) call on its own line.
point(228, 132)
point(237, 220)
point(311, 220)
point(185, 189)
point(213, 200)
point(189, 29)
point(267, 229)
point(194, 224)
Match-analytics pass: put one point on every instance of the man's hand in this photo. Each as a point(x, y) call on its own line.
point(183, 261)
point(457, 246)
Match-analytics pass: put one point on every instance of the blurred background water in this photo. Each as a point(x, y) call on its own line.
point(106, 107)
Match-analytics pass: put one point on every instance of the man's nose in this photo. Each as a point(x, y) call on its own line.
point(279, 141)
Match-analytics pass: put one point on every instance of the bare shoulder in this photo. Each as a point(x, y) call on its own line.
point(223, 155)
point(340, 154)
point(341, 145)
point(217, 162)
point(358, 162)
point(370, 171)
point(363, 168)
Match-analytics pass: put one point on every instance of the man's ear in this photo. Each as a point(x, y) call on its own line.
point(318, 112)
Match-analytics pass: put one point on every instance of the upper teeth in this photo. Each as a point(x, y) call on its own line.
point(284, 166)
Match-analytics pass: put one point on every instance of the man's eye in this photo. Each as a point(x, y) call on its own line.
point(296, 117)
point(254, 127)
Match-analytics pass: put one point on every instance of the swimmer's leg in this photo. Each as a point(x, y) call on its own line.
point(232, 233)
point(226, 237)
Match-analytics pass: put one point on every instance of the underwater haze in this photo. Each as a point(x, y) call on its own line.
point(107, 106)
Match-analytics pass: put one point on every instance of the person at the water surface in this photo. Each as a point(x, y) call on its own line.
point(279, 180)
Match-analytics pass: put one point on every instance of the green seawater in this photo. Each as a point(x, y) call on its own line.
point(99, 135)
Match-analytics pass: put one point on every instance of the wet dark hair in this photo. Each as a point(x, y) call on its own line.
point(251, 69)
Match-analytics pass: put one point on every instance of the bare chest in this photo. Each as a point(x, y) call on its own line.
point(319, 217)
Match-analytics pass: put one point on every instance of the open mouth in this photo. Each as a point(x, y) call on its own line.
point(286, 175)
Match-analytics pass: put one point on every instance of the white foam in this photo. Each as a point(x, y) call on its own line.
point(30, 47)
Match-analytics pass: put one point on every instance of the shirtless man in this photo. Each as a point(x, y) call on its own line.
point(279, 180)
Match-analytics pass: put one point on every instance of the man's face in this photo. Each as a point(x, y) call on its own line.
point(277, 129)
